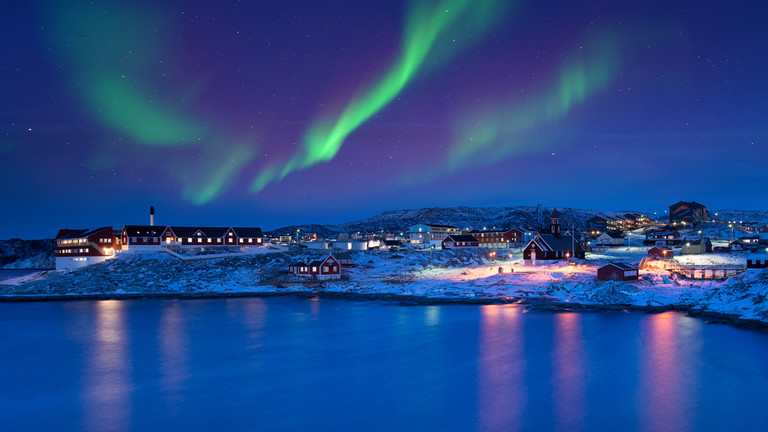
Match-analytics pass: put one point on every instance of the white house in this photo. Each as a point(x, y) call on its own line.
point(606, 239)
point(430, 236)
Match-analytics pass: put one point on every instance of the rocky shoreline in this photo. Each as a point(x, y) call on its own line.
point(549, 305)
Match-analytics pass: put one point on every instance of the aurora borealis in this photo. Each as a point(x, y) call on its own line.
point(303, 112)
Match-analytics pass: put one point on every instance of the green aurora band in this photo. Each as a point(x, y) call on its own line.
point(489, 135)
point(109, 56)
point(426, 43)
point(106, 53)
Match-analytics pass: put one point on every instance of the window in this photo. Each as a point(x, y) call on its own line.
point(210, 240)
point(241, 240)
point(218, 240)
point(199, 240)
point(229, 240)
point(190, 239)
point(250, 240)
point(325, 269)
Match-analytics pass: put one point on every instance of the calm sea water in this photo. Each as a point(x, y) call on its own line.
point(297, 364)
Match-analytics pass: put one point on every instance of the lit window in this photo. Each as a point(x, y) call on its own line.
point(210, 240)
point(189, 239)
point(199, 240)
point(250, 240)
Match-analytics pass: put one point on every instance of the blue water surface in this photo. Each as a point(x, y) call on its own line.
point(332, 365)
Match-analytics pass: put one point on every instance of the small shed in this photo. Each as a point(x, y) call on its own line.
point(660, 252)
point(617, 272)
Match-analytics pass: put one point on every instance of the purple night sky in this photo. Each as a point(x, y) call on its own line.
point(274, 113)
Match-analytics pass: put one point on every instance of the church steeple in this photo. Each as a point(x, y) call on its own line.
point(554, 223)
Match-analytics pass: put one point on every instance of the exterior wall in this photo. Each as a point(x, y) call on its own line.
point(448, 244)
point(350, 245)
point(72, 263)
point(611, 273)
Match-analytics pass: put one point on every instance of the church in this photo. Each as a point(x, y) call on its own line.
point(553, 245)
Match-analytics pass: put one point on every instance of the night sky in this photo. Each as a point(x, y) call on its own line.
point(282, 112)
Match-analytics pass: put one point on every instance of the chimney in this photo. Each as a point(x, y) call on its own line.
point(151, 216)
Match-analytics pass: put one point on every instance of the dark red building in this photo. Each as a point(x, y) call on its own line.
point(457, 241)
point(328, 268)
point(617, 272)
point(660, 252)
point(76, 248)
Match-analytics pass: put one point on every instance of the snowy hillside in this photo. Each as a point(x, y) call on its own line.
point(396, 221)
point(26, 254)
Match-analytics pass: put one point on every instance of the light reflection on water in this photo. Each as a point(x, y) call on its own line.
point(501, 390)
point(107, 383)
point(297, 364)
point(569, 368)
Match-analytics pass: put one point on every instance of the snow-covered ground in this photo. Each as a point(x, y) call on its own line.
point(465, 274)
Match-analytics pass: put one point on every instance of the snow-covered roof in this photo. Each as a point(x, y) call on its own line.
point(462, 238)
point(622, 266)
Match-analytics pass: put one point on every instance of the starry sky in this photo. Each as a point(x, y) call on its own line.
point(275, 113)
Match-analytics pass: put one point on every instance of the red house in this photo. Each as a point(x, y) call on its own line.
point(737, 246)
point(141, 237)
point(328, 268)
point(77, 248)
point(498, 238)
point(457, 241)
point(660, 252)
point(617, 272)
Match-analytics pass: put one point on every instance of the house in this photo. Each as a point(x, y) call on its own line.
point(138, 238)
point(617, 272)
point(245, 236)
point(328, 268)
point(687, 213)
point(660, 252)
point(757, 261)
point(736, 246)
point(498, 238)
point(696, 245)
point(553, 246)
point(459, 241)
point(612, 239)
point(750, 240)
point(75, 248)
point(430, 236)
point(663, 238)
point(194, 236)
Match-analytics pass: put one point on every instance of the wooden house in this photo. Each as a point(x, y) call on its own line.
point(617, 272)
point(75, 248)
point(328, 268)
point(663, 238)
point(460, 241)
point(660, 252)
point(610, 239)
point(736, 245)
point(137, 238)
point(554, 245)
point(696, 245)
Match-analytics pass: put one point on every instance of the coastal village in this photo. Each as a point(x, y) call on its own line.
point(687, 259)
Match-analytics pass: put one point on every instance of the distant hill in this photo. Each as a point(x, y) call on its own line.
point(396, 221)
point(26, 254)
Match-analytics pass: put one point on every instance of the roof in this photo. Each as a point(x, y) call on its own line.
point(213, 232)
point(622, 266)
point(392, 243)
point(462, 238)
point(555, 214)
point(760, 256)
point(689, 204)
point(441, 226)
point(663, 248)
point(79, 233)
point(564, 243)
point(505, 230)
point(143, 230)
point(247, 232)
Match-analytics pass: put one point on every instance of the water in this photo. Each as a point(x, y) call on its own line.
point(296, 364)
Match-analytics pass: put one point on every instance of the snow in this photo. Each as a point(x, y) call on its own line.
point(439, 274)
